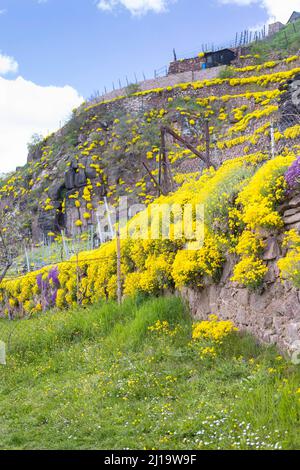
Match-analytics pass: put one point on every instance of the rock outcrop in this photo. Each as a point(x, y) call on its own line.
point(289, 105)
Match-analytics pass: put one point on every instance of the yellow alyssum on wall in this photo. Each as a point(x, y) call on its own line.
point(153, 265)
point(289, 265)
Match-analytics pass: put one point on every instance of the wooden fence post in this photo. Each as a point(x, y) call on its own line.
point(207, 140)
point(119, 272)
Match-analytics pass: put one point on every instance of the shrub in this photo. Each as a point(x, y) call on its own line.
point(132, 88)
point(228, 72)
point(289, 266)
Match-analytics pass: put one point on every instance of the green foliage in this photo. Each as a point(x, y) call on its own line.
point(97, 378)
point(132, 88)
point(35, 142)
point(72, 130)
point(286, 41)
point(218, 204)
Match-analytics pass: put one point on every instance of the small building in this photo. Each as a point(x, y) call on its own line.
point(221, 57)
point(202, 61)
point(295, 16)
point(275, 28)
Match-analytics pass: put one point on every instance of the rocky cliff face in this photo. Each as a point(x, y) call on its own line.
point(106, 144)
point(289, 104)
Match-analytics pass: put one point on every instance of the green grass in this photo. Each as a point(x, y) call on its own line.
point(97, 378)
point(227, 72)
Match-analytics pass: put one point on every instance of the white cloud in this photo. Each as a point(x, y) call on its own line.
point(279, 10)
point(136, 7)
point(25, 109)
point(7, 64)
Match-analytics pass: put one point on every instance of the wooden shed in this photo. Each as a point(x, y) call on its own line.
point(221, 57)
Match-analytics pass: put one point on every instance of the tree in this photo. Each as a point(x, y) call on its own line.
point(10, 239)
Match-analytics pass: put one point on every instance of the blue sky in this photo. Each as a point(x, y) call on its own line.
point(54, 53)
point(73, 42)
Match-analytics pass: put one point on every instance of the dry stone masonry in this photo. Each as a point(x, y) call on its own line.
point(271, 313)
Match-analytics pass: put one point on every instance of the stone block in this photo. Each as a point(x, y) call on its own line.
point(272, 251)
point(80, 178)
point(70, 179)
point(290, 212)
point(295, 202)
point(294, 226)
point(242, 317)
point(293, 332)
point(292, 219)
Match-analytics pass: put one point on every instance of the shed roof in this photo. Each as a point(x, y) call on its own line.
point(295, 15)
point(218, 51)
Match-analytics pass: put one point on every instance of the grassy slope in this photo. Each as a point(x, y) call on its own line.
point(97, 378)
point(287, 41)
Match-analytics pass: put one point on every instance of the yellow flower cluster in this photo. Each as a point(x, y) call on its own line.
point(289, 266)
point(261, 80)
point(231, 195)
point(264, 191)
point(257, 114)
point(250, 271)
point(213, 329)
point(207, 353)
point(290, 133)
point(191, 267)
point(258, 201)
point(266, 65)
point(257, 68)
point(163, 328)
point(153, 265)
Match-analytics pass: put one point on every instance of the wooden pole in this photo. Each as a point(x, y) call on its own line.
point(207, 141)
point(27, 259)
point(153, 178)
point(286, 38)
point(99, 229)
point(159, 172)
point(119, 272)
point(272, 141)
point(77, 279)
point(189, 146)
point(109, 217)
point(164, 182)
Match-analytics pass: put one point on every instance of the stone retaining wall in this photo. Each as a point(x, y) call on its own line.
point(271, 313)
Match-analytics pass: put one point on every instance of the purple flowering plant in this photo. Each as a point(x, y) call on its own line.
point(292, 176)
point(48, 287)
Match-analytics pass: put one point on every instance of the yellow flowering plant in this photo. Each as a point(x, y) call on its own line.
point(289, 265)
point(209, 335)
